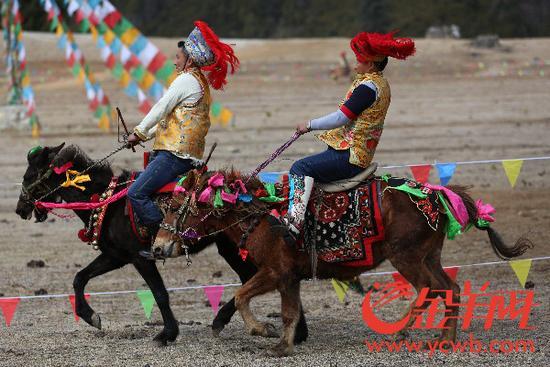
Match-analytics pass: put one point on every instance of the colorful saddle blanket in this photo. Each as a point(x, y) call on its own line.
point(343, 227)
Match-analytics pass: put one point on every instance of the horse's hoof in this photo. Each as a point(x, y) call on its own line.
point(164, 337)
point(95, 321)
point(280, 350)
point(270, 331)
point(216, 332)
point(300, 337)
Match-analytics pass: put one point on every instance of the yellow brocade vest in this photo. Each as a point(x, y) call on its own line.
point(361, 136)
point(184, 130)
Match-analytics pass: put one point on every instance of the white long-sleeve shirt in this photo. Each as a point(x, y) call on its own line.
point(184, 89)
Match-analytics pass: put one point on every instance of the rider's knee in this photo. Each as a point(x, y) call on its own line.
point(299, 168)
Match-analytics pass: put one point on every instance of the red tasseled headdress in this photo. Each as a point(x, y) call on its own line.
point(223, 55)
point(376, 46)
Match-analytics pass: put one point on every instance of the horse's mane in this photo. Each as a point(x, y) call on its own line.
point(73, 153)
point(230, 176)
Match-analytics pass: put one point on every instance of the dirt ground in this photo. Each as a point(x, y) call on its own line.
point(450, 102)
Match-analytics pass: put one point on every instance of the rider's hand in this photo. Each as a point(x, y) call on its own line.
point(133, 140)
point(303, 127)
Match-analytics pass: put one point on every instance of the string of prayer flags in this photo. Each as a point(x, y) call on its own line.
point(8, 307)
point(20, 89)
point(421, 173)
point(214, 294)
point(147, 301)
point(98, 101)
point(341, 288)
point(148, 54)
point(512, 168)
point(446, 172)
point(73, 305)
point(521, 268)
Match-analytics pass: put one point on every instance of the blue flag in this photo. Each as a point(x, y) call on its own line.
point(446, 172)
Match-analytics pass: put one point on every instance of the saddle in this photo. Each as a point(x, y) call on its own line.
point(349, 183)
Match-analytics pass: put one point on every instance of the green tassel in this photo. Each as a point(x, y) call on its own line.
point(272, 198)
point(180, 182)
point(218, 202)
point(453, 227)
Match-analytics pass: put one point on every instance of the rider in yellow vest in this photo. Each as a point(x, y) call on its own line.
point(180, 120)
point(353, 131)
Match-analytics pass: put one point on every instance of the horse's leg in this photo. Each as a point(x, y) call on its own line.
point(290, 312)
point(415, 272)
point(245, 270)
point(441, 281)
point(262, 282)
point(148, 270)
point(101, 265)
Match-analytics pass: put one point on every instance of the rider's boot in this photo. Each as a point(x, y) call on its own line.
point(149, 254)
point(301, 187)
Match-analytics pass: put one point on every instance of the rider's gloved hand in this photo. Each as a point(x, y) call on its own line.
point(303, 127)
point(133, 140)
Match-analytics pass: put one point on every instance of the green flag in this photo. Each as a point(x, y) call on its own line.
point(147, 301)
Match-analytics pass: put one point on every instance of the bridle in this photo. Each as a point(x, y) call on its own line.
point(39, 189)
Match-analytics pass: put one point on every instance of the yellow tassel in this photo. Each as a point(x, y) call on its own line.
point(78, 178)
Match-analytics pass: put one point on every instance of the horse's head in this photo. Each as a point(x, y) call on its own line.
point(38, 180)
point(199, 209)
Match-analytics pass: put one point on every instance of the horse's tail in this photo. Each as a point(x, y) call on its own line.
point(497, 243)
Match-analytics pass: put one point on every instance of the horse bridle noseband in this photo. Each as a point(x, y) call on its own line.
point(27, 194)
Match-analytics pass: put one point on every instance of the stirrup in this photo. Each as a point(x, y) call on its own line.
point(150, 255)
point(283, 225)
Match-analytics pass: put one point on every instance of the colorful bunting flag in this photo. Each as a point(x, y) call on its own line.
point(521, 268)
point(341, 289)
point(72, 300)
point(8, 306)
point(446, 172)
point(147, 301)
point(421, 173)
point(512, 168)
point(214, 294)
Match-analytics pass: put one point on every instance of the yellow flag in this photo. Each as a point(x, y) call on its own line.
point(521, 268)
point(109, 36)
point(81, 76)
point(59, 30)
point(129, 36)
point(124, 78)
point(35, 131)
point(512, 169)
point(147, 81)
point(104, 122)
point(225, 116)
point(341, 288)
point(93, 31)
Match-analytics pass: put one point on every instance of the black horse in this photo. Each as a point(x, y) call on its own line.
point(118, 244)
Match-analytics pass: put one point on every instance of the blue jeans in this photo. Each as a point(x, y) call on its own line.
point(163, 168)
point(330, 165)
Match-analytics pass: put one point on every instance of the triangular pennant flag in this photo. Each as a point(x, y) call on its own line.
point(147, 301)
point(8, 306)
point(341, 288)
point(71, 299)
point(421, 172)
point(446, 172)
point(512, 169)
point(214, 294)
point(452, 272)
point(521, 268)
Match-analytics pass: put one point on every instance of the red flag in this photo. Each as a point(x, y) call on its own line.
point(145, 107)
point(132, 62)
point(70, 60)
point(71, 299)
point(111, 61)
point(79, 16)
point(112, 19)
point(8, 306)
point(452, 272)
point(421, 172)
point(93, 104)
point(157, 62)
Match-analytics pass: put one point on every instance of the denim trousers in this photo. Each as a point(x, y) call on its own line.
point(330, 165)
point(163, 168)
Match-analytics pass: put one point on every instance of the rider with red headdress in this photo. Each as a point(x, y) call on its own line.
point(180, 120)
point(353, 131)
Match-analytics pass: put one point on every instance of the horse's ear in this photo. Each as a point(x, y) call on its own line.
point(63, 156)
point(190, 178)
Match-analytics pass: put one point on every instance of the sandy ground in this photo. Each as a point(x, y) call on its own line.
point(450, 103)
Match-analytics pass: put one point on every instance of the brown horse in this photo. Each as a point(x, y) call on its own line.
point(412, 247)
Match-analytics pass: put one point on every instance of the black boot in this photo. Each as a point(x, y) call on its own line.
point(153, 229)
